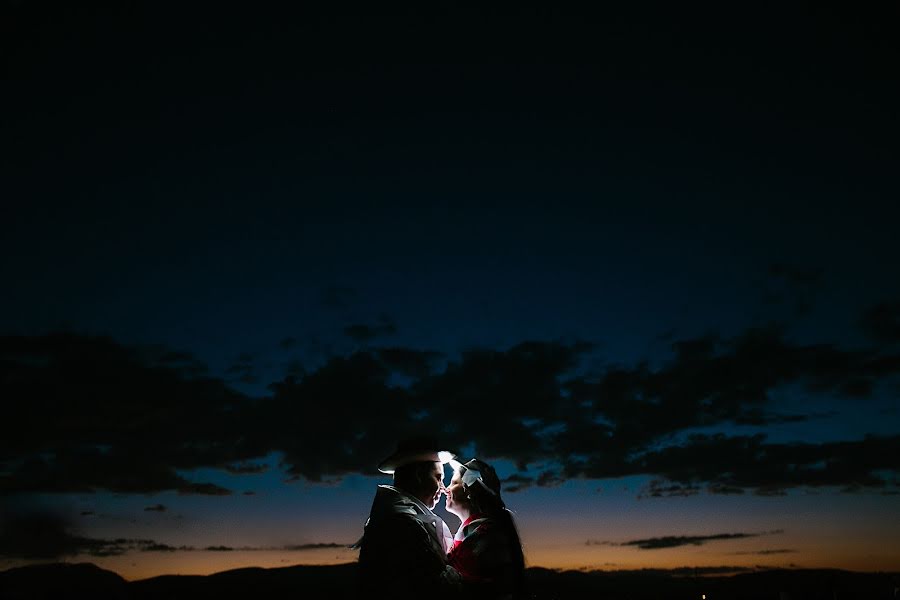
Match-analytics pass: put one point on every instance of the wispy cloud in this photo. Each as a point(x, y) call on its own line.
point(764, 552)
point(675, 541)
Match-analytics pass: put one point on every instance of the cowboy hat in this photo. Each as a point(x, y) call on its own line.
point(421, 449)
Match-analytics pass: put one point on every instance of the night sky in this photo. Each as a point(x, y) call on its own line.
point(643, 259)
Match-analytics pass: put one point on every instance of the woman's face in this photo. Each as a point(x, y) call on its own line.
point(457, 498)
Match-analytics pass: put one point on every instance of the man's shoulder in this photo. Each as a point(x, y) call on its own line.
point(391, 499)
point(392, 507)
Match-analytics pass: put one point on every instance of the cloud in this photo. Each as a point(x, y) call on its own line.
point(792, 286)
point(294, 368)
point(661, 488)
point(881, 322)
point(87, 414)
point(704, 570)
point(675, 541)
point(247, 468)
point(202, 489)
point(243, 373)
point(287, 343)
point(184, 363)
point(749, 462)
point(682, 540)
point(29, 533)
point(646, 573)
point(342, 418)
point(33, 533)
point(157, 547)
point(625, 422)
point(765, 552)
point(339, 297)
point(412, 363)
point(517, 482)
point(796, 275)
point(362, 333)
point(714, 381)
point(150, 546)
point(549, 479)
point(305, 547)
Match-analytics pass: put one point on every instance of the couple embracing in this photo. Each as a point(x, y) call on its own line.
point(408, 551)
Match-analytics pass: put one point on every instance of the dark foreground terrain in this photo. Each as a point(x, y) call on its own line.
point(63, 580)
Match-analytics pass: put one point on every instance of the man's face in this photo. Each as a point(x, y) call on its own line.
point(433, 487)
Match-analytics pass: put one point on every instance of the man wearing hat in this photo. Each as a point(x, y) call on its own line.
point(404, 546)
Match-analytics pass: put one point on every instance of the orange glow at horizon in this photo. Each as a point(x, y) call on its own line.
point(568, 527)
point(855, 555)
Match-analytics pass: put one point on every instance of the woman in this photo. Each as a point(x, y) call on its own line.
point(487, 552)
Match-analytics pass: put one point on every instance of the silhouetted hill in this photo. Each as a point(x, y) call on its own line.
point(792, 584)
point(335, 581)
point(338, 582)
point(62, 580)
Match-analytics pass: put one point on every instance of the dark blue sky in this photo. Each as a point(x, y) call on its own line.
point(635, 237)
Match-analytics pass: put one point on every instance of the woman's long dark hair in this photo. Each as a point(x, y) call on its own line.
point(490, 505)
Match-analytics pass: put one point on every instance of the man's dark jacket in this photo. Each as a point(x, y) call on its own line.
point(403, 549)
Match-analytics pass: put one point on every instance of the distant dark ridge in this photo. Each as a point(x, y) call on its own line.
point(775, 584)
point(301, 581)
point(338, 582)
point(62, 580)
